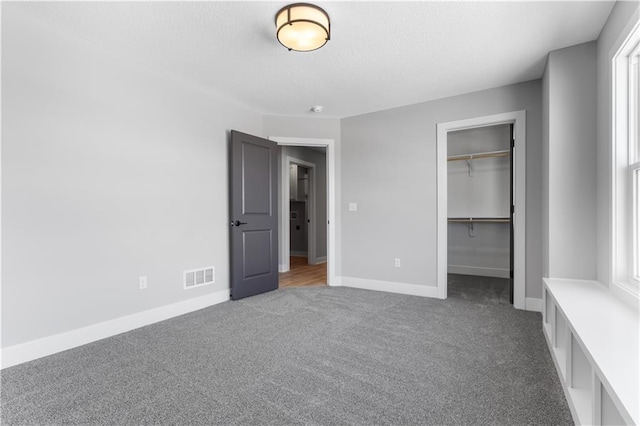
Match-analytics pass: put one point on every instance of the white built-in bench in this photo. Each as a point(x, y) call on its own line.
point(593, 338)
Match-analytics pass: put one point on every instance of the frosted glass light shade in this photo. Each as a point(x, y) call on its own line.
point(302, 27)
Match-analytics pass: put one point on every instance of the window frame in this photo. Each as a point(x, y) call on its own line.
point(634, 262)
point(634, 159)
point(626, 166)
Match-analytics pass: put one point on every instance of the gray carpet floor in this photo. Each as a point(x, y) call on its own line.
point(317, 355)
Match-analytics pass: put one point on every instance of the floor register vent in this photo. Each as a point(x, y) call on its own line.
point(199, 277)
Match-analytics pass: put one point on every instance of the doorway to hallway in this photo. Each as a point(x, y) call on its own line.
point(318, 156)
point(307, 225)
point(301, 274)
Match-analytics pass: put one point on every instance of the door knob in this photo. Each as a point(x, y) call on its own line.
point(238, 223)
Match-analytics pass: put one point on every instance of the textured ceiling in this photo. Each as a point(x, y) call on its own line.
point(381, 54)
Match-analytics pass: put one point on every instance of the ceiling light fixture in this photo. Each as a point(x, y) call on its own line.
point(302, 27)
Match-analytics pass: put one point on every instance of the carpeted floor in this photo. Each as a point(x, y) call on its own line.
point(317, 355)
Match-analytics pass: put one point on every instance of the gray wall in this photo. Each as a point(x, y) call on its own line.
point(301, 127)
point(570, 85)
point(623, 15)
point(389, 169)
point(110, 170)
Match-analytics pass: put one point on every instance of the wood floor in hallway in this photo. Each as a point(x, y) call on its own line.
point(303, 275)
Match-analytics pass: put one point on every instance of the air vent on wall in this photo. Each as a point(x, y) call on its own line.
point(199, 277)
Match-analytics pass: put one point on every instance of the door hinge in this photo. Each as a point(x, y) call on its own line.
point(513, 209)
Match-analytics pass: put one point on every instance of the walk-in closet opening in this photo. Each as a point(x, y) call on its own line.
point(479, 206)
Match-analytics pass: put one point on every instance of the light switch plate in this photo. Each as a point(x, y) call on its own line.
point(353, 207)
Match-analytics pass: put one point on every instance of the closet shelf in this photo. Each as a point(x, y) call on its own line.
point(490, 154)
point(479, 220)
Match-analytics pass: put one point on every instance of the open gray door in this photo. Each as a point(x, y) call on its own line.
point(254, 215)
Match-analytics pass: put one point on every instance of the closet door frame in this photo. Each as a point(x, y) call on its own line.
point(518, 119)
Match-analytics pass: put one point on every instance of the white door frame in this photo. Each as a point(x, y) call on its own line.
point(287, 162)
point(518, 118)
point(331, 199)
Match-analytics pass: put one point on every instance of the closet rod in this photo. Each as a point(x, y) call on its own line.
point(503, 153)
point(479, 220)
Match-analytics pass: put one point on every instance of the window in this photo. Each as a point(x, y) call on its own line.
point(626, 165)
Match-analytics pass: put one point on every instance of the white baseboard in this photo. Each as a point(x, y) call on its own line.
point(390, 287)
point(298, 253)
point(319, 260)
point(283, 268)
point(24, 352)
point(335, 282)
point(532, 304)
point(478, 271)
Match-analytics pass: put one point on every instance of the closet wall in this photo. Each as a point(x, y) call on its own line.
point(479, 189)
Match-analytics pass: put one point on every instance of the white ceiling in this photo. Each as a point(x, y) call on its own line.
point(381, 54)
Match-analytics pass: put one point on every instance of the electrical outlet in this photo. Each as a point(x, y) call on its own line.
point(142, 282)
point(397, 262)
